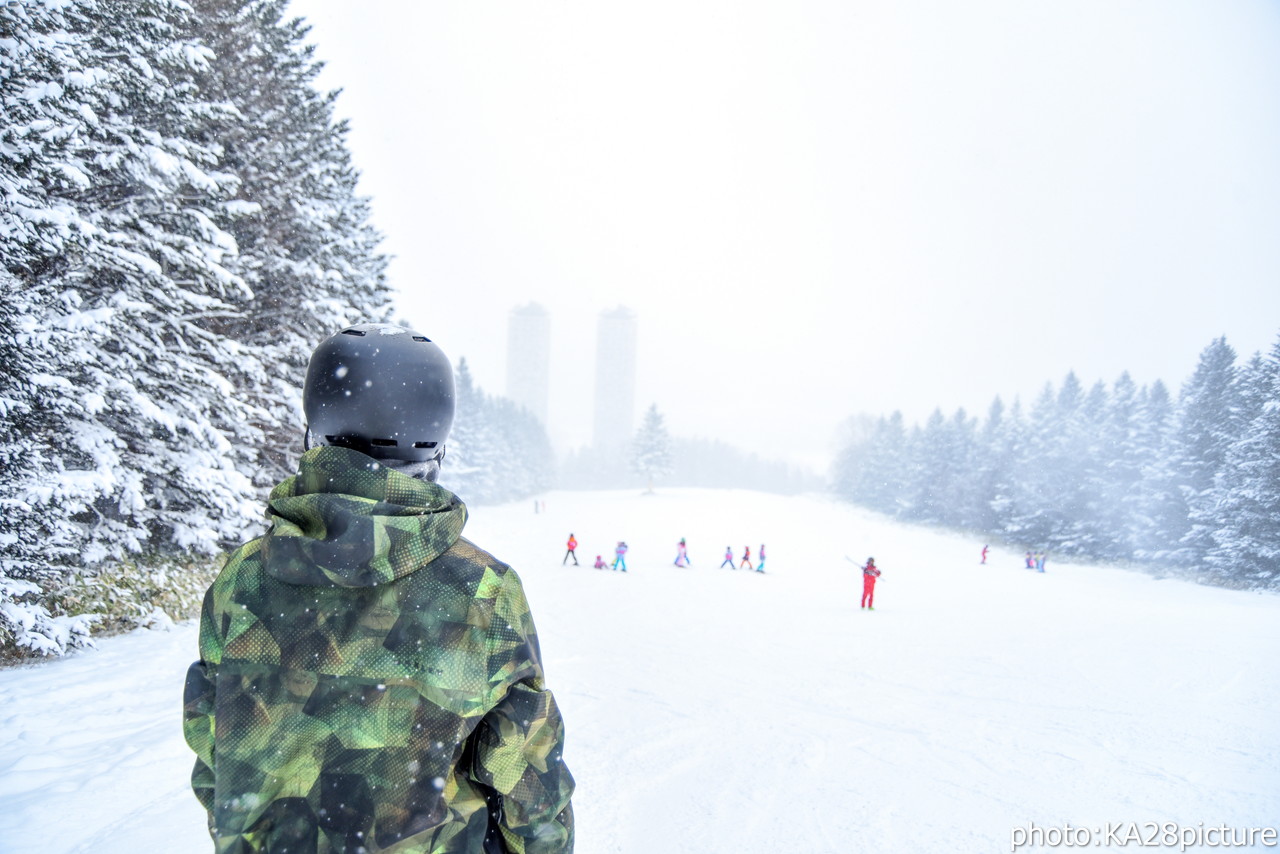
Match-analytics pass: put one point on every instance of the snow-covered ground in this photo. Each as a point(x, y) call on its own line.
point(713, 711)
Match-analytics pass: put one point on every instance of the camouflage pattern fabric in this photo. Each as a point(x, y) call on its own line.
point(369, 681)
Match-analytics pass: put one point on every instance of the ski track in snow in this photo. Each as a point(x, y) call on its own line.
point(710, 710)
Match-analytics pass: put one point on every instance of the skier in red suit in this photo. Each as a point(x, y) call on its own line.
point(869, 576)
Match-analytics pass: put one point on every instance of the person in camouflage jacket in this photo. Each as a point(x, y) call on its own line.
point(370, 681)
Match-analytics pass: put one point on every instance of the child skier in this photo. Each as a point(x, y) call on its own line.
point(746, 558)
point(682, 553)
point(600, 564)
point(572, 552)
point(869, 576)
point(984, 554)
point(728, 558)
point(620, 561)
point(760, 568)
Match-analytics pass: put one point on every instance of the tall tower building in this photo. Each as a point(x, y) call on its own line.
point(529, 359)
point(615, 377)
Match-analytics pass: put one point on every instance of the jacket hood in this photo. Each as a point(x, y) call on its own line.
point(346, 520)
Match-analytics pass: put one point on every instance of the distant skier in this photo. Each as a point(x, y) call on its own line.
point(620, 561)
point(572, 552)
point(1031, 561)
point(984, 554)
point(682, 553)
point(728, 558)
point(600, 564)
point(869, 576)
point(760, 568)
point(1040, 556)
point(746, 558)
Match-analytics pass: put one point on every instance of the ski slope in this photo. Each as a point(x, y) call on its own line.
point(718, 711)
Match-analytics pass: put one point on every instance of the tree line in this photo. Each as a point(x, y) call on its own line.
point(1114, 472)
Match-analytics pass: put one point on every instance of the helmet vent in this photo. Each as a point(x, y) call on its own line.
point(424, 339)
point(357, 332)
point(424, 444)
point(383, 443)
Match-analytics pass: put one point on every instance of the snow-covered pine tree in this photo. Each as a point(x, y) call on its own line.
point(44, 76)
point(856, 434)
point(934, 471)
point(1118, 471)
point(1089, 446)
point(306, 249)
point(1155, 507)
point(1032, 517)
point(497, 451)
point(33, 531)
point(1246, 550)
point(869, 467)
point(528, 464)
point(143, 425)
point(961, 501)
point(1208, 424)
point(1058, 480)
point(468, 464)
point(651, 447)
point(995, 450)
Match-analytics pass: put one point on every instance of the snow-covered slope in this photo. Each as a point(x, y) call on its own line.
point(718, 711)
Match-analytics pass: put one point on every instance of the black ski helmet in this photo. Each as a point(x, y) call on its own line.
point(380, 389)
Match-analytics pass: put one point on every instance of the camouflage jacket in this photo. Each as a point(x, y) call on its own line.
point(369, 681)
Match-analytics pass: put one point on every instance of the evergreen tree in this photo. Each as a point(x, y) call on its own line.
point(1246, 550)
point(1119, 465)
point(497, 451)
point(651, 448)
point(1156, 508)
point(1091, 434)
point(45, 87)
point(984, 468)
point(306, 251)
point(962, 493)
point(180, 227)
point(942, 477)
point(34, 536)
point(871, 470)
point(140, 422)
point(528, 464)
point(1006, 444)
point(1207, 427)
point(1032, 514)
point(468, 453)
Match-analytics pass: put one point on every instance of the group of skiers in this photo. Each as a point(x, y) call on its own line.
point(682, 556)
point(1034, 560)
point(619, 555)
point(746, 558)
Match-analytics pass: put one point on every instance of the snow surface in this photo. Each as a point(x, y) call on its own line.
point(718, 711)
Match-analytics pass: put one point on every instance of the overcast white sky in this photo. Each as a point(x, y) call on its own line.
point(822, 208)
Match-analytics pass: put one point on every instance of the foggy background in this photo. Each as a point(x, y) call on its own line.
point(819, 209)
